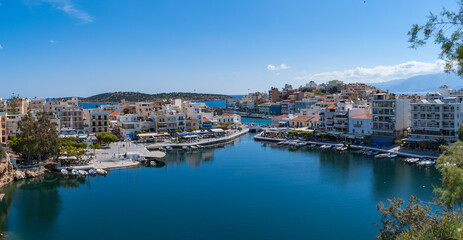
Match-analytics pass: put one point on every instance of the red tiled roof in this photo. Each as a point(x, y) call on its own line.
point(315, 119)
point(301, 119)
point(227, 114)
point(115, 113)
point(363, 116)
point(282, 116)
point(206, 120)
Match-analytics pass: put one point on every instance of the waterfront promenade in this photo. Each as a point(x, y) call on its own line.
point(259, 137)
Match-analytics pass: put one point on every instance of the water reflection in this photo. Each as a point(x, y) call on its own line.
point(37, 203)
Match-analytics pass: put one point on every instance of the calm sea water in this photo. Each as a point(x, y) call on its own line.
point(245, 190)
point(259, 121)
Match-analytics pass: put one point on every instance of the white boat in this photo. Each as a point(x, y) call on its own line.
point(193, 147)
point(64, 172)
point(412, 160)
point(382, 155)
point(101, 171)
point(152, 163)
point(83, 173)
point(281, 143)
point(392, 155)
point(168, 148)
point(185, 147)
point(74, 172)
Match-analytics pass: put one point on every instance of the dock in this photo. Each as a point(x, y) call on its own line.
point(259, 137)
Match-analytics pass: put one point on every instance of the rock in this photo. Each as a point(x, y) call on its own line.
point(18, 175)
point(31, 174)
point(6, 172)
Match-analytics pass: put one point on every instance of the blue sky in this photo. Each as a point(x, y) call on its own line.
point(53, 48)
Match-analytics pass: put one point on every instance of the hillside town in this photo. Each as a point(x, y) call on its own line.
point(359, 112)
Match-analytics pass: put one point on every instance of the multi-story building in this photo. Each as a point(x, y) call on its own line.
point(143, 109)
point(391, 118)
point(436, 119)
point(37, 105)
point(264, 108)
point(274, 95)
point(229, 118)
point(361, 125)
point(17, 106)
point(12, 123)
point(287, 107)
point(98, 122)
point(3, 132)
point(72, 118)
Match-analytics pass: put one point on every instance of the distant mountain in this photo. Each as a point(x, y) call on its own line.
point(422, 84)
point(135, 96)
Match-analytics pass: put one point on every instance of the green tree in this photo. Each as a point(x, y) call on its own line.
point(13, 105)
point(106, 137)
point(446, 30)
point(37, 138)
point(460, 133)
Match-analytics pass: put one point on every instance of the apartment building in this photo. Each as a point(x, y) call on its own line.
point(143, 109)
point(72, 118)
point(12, 123)
point(434, 119)
point(98, 122)
point(274, 95)
point(391, 118)
point(287, 107)
point(37, 105)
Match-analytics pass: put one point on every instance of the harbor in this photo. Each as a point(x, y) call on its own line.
point(259, 137)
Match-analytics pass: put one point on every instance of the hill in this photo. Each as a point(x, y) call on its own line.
point(421, 84)
point(138, 97)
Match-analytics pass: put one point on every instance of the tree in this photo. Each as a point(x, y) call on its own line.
point(460, 133)
point(13, 105)
point(36, 138)
point(446, 30)
point(106, 137)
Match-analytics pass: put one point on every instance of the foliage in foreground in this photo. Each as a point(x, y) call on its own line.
point(441, 219)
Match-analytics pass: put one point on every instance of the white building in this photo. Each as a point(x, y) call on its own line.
point(361, 125)
point(436, 119)
point(391, 118)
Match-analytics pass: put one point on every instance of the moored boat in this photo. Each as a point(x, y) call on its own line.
point(64, 172)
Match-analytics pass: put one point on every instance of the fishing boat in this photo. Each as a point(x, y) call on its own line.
point(64, 172)
point(392, 156)
point(83, 173)
point(74, 172)
point(92, 172)
point(185, 147)
point(152, 163)
point(193, 147)
point(281, 143)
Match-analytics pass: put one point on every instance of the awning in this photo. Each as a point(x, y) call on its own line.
point(217, 130)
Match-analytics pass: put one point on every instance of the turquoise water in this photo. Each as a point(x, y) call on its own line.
point(245, 190)
point(259, 121)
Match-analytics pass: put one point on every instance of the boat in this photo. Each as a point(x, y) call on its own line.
point(382, 155)
point(92, 172)
point(83, 173)
point(392, 156)
point(64, 172)
point(193, 147)
point(185, 147)
point(281, 143)
point(153, 163)
point(325, 147)
point(371, 153)
point(101, 171)
point(74, 172)
point(412, 160)
point(168, 148)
